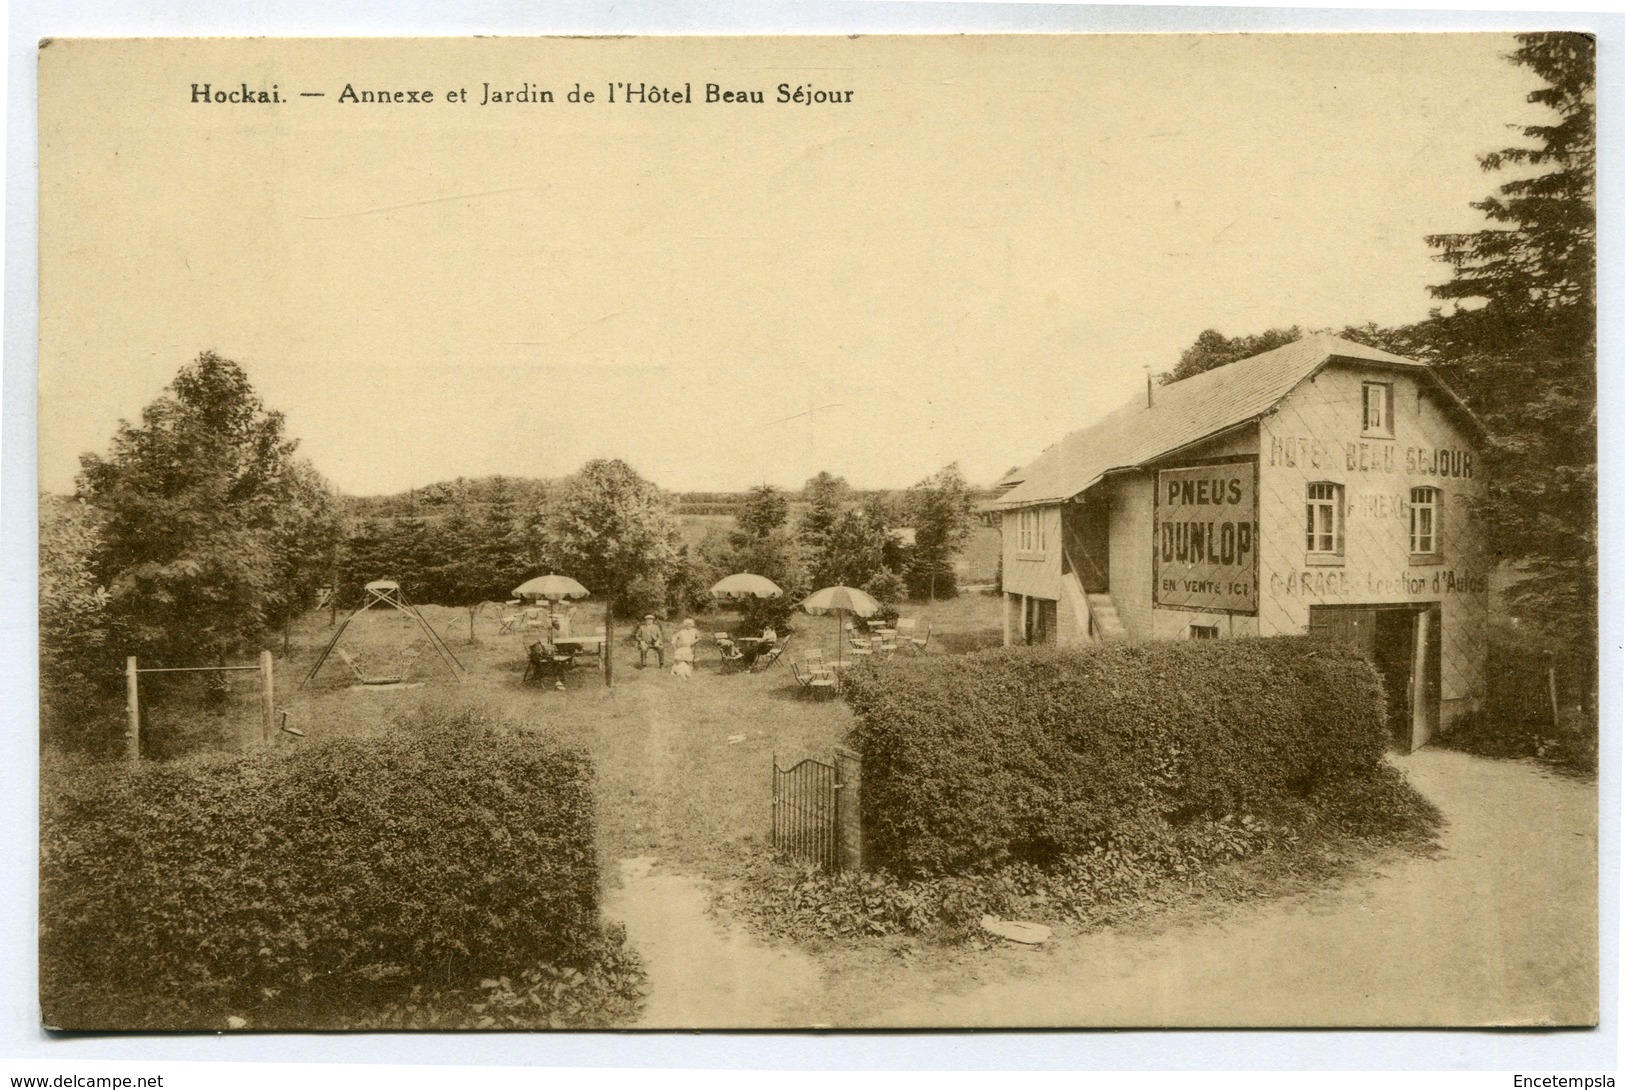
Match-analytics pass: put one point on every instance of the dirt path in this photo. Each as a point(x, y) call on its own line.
point(703, 973)
point(1498, 928)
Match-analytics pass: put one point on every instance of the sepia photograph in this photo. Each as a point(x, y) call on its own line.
point(990, 531)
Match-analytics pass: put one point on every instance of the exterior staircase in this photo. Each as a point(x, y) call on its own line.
point(1107, 624)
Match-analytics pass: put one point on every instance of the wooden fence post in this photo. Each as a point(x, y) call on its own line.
point(1551, 691)
point(267, 697)
point(132, 707)
point(848, 816)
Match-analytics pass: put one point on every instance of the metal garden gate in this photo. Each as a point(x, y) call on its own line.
point(806, 809)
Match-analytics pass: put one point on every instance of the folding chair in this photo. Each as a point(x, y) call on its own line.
point(769, 656)
point(509, 618)
point(732, 657)
point(813, 680)
point(538, 661)
point(918, 642)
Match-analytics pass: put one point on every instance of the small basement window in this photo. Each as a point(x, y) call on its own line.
point(1204, 631)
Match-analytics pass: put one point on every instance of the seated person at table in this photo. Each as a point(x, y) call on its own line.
point(649, 637)
point(561, 619)
point(760, 646)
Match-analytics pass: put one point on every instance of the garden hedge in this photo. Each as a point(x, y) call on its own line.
point(1038, 753)
point(324, 879)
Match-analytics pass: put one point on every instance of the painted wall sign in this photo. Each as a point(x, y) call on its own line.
point(1204, 536)
point(1370, 457)
point(1372, 586)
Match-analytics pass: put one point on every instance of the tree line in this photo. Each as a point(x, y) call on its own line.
point(202, 534)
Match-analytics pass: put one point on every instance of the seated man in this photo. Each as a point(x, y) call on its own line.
point(649, 637)
point(761, 646)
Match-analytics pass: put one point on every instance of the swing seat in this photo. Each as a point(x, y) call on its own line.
point(355, 668)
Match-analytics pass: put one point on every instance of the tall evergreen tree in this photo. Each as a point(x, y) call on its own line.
point(1526, 357)
point(826, 496)
point(941, 510)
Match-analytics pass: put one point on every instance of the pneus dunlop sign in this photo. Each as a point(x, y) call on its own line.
point(1204, 538)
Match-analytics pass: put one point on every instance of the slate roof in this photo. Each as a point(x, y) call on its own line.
point(1194, 409)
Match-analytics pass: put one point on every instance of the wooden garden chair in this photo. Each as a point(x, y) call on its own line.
point(732, 657)
point(812, 679)
point(767, 657)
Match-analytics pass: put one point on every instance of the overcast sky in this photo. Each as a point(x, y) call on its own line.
point(982, 251)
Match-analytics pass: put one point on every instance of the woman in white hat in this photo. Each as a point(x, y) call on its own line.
point(683, 649)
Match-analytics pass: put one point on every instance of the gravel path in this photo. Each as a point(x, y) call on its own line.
point(1498, 928)
point(703, 973)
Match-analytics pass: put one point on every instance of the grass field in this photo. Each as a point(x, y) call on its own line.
point(683, 766)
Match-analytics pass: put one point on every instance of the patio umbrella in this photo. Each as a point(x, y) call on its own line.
point(745, 585)
point(839, 600)
point(551, 589)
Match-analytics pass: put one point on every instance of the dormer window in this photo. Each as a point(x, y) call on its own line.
point(1378, 400)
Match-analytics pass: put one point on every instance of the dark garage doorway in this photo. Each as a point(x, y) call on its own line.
point(1402, 642)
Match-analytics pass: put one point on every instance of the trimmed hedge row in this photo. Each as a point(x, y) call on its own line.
point(1034, 754)
point(329, 878)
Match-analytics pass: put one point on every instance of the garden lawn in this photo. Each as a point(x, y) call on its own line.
point(683, 767)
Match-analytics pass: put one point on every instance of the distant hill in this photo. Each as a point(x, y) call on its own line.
point(533, 493)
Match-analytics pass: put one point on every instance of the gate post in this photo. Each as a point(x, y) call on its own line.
point(132, 708)
point(848, 815)
point(267, 698)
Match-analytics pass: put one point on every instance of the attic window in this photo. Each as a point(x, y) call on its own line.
point(1377, 400)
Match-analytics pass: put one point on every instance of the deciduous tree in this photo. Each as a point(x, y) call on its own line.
point(1213, 349)
point(210, 527)
point(611, 528)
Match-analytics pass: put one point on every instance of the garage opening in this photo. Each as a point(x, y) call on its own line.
point(1402, 642)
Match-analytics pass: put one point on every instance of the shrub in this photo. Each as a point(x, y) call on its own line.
point(607, 991)
point(329, 878)
point(1516, 717)
point(1040, 754)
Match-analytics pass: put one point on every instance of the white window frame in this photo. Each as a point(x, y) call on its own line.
point(1323, 522)
point(1383, 428)
point(1427, 504)
point(1030, 532)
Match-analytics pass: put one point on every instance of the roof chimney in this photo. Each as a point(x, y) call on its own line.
point(1148, 386)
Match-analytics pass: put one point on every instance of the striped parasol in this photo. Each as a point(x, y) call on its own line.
point(745, 585)
point(840, 600)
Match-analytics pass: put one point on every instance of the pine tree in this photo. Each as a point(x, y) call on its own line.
point(941, 511)
point(1526, 357)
